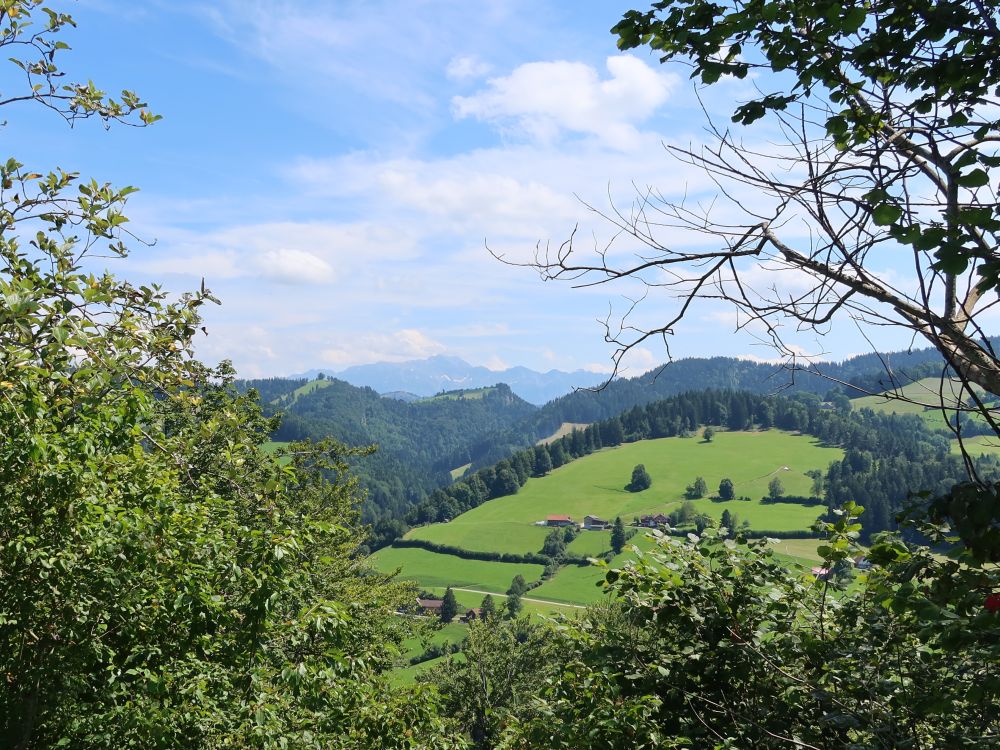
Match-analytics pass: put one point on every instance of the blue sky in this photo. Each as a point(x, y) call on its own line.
point(335, 170)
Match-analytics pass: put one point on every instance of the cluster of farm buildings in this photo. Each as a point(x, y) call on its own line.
point(591, 523)
point(433, 607)
point(594, 523)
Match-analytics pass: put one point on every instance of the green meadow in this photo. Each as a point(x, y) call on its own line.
point(272, 446)
point(574, 583)
point(564, 429)
point(596, 483)
point(459, 472)
point(433, 635)
point(308, 388)
point(978, 445)
point(590, 543)
point(430, 569)
point(406, 676)
point(497, 536)
point(922, 397)
point(475, 394)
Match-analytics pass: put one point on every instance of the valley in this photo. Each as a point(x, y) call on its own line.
point(586, 486)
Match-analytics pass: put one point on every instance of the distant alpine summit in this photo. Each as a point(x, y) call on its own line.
point(427, 377)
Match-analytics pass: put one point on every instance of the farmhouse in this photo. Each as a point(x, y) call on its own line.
point(476, 613)
point(655, 521)
point(559, 521)
point(430, 606)
point(595, 523)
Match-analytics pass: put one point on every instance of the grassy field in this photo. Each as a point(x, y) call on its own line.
point(580, 585)
point(474, 394)
point(978, 445)
point(499, 536)
point(564, 429)
point(595, 485)
point(459, 472)
point(270, 447)
point(922, 397)
point(803, 550)
point(590, 543)
point(542, 607)
point(308, 388)
point(453, 632)
point(405, 676)
point(430, 569)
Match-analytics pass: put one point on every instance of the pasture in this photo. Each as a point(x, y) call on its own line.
point(596, 483)
point(564, 429)
point(978, 445)
point(924, 398)
point(498, 536)
point(581, 585)
point(459, 472)
point(308, 388)
point(430, 570)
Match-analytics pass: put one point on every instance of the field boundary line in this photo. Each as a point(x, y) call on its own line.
point(523, 598)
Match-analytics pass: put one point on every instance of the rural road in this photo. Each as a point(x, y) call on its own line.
point(523, 598)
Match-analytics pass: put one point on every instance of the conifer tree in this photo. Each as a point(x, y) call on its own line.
point(513, 604)
point(487, 608)
point(449, 607)
point(618, 536)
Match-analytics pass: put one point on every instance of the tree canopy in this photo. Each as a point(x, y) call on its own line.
point(880, 144)
point(640, 479)
point(165, 582)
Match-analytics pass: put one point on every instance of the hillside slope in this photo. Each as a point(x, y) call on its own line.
point(419, 443)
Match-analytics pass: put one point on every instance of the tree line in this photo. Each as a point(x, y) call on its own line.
point(887, 457)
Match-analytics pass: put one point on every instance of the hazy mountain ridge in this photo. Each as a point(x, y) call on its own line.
point(428, 377)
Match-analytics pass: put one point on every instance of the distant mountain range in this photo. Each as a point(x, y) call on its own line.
point(427, 377)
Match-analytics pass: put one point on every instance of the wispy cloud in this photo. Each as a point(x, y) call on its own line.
point(465, 67)
point(543, 100)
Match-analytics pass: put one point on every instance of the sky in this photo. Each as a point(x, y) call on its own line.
point(338, 173)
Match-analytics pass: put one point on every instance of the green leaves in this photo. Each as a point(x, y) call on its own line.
point(695, 626)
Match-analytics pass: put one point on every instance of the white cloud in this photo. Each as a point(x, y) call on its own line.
point(402, 345)
point(639, 360)
point(496, 364)
point(543, 99)
point(465, 67)
point(290, 266)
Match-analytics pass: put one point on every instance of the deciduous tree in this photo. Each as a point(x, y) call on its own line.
point(165, 582)
point(869, 136)
point(775, 488)
point(727, 491)
point(640, 479)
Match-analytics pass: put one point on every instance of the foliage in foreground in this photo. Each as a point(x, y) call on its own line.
point(713, 644)
point(167, 584)
point(163, 583)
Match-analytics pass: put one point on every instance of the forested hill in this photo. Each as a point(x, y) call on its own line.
point(866, 372)
point(419, 442)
